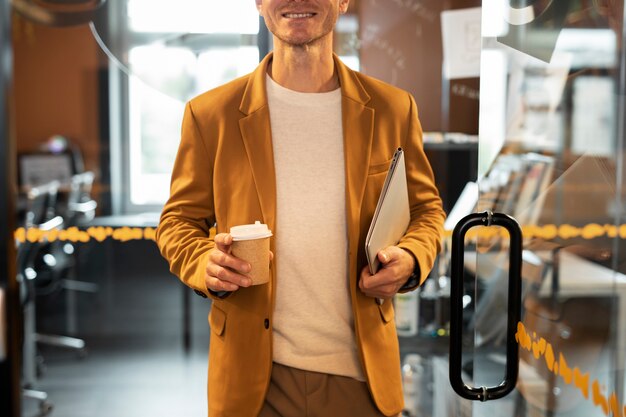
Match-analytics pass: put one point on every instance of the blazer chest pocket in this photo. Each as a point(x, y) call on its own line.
point(382, 167)
point(375, 180)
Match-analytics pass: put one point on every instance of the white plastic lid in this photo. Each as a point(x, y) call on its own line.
point(257, 230)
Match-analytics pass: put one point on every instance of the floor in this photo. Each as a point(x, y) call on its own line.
point(135, 364)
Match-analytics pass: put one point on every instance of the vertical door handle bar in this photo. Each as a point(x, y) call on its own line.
point(456, 302)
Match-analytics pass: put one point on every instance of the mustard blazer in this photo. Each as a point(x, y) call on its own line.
point(224, 175)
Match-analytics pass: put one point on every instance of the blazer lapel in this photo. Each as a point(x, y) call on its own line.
point(257, 138)
point(358, 130)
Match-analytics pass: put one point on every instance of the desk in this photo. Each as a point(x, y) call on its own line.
point(142, 220)
point(127, 220)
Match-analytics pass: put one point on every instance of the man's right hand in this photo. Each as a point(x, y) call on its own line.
point(225, 272)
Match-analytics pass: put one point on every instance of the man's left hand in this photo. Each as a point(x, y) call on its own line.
point(397, 266)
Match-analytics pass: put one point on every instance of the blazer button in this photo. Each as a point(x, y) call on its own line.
point(266, 323)
point(200, 293)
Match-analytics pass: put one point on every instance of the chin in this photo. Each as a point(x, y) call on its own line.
point(299, 41)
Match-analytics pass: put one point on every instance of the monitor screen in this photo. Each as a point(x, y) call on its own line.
point(40, 168)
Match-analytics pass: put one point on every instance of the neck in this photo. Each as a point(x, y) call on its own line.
point(307, 69)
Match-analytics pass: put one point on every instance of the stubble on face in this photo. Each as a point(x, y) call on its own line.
point(303, 39)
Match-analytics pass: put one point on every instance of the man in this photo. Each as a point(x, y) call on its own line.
point(303, 144)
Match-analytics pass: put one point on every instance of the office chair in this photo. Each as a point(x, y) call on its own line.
point(75, 207)
point(80, 209)
point(43, 265)
point(40, 203)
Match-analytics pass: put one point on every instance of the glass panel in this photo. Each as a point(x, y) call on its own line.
point(155, 115)
point(167, 52)
point(550, 155)
point(192, 25)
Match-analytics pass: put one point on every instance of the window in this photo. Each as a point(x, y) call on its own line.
point(156, 100)
point(168, 52)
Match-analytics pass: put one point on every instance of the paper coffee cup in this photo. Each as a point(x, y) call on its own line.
point(251, 242)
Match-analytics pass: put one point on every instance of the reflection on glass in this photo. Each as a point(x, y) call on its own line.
point(593, 121)
point(492, 23)
point(170, 52)
point(156, 113)
point(346, 43)
point(493, 66)
point(550, 157)
point(217, 65)
point(170, 70)
point(154, 132)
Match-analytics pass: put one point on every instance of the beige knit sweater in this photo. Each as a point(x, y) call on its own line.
point(313, 321)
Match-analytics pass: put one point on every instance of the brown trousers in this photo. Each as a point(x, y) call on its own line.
point(297, 393)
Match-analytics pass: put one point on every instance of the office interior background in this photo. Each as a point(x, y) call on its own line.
point(522, 105)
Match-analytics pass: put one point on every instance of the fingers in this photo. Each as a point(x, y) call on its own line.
point(392, 255)
point(225, 272)
point(223, 242)
point(226, 260)
point(384, 256)
point(222, 279)
point(384, 284)
point(216, 285)
point(219, 277)
point(379, 283)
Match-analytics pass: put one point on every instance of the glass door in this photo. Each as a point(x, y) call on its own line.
point(551, 143)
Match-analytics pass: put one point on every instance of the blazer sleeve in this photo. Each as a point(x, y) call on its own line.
point(183, 235)
point(423, 236)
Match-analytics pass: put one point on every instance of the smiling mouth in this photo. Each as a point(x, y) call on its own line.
point(298, 15)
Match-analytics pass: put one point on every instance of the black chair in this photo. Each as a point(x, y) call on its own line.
point(79, 208)
point(48, 267)
point(59, 272)
point(40, 203)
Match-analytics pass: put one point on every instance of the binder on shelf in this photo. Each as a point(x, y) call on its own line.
point(392, 216)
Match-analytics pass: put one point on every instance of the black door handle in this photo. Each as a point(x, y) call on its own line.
point(456, 305)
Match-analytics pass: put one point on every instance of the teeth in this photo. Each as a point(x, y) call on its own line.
point(298, 15)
